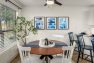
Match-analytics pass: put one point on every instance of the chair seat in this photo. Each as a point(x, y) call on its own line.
point(32, 59)
point(26, 60)
point(88, 47)
point(59, 59)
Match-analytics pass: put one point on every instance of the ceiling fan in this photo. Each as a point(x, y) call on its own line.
point(50, 2)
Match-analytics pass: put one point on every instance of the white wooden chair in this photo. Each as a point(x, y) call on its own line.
point(66, 55)
point(60, 38)
point(25, 55)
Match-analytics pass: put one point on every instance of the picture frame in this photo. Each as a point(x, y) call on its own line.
point(39, 23)
point(51, 23)
point(63, 23)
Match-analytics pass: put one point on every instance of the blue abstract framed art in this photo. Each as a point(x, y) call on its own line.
point(51, 23)
point(63, 23)
point(39, 23)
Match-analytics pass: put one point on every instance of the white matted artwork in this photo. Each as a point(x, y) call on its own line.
point(63, 23)
point(51, 23)
point(39, 23)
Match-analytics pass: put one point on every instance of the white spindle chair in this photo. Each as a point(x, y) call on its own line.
point(60, 37)
point(25, 55)
point(66, 55)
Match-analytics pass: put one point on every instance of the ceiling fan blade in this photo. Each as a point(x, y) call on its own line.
point(45, 4)
point(56, 2)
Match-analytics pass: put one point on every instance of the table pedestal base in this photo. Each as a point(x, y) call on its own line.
point(50, 56)
point(46, 57)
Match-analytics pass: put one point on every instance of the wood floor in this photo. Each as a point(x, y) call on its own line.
point(17, 59)
point(75, 55)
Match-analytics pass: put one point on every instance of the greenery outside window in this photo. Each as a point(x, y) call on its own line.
point(7, 23)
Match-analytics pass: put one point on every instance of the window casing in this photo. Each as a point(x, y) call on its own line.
point(7, 23)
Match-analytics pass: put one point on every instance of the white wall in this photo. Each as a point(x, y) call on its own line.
point(77, 22)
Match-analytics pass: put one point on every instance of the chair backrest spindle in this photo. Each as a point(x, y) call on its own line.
point(68, 52)
point(71, 38)
point(24, 52)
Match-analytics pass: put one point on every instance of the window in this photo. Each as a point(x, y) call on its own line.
point(7, 23)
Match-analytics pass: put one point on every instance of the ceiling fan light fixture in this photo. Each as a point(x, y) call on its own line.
point(50, 2)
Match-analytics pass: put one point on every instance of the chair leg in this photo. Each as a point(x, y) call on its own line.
point(82, 53)
point(78, 57)
point(91, 56)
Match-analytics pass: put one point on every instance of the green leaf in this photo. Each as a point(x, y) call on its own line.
point(23, 27)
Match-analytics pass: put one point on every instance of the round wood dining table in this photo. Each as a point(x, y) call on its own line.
point(46, 52)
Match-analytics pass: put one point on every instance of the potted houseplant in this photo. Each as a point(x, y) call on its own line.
point(23, 28)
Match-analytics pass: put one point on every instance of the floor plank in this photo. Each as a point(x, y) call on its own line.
point(17, 59)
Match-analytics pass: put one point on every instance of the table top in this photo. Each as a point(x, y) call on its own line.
point(46, 51)
point(35, 49)
point(35, 44)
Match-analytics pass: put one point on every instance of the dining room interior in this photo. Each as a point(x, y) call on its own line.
point(46, 31)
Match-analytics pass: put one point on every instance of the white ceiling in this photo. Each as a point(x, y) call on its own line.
point(64, 2)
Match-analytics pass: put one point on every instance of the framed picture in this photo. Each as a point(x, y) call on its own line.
point(39, 23)
point(63, 23)
point(51, 23)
